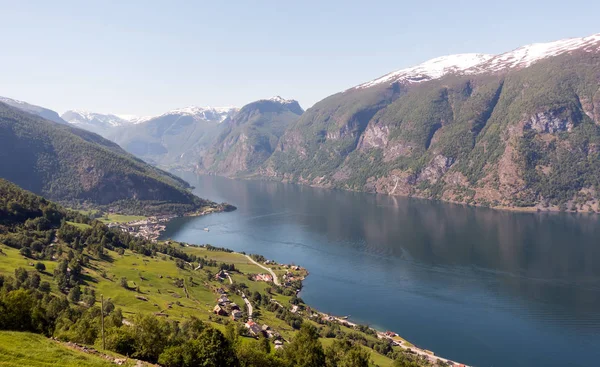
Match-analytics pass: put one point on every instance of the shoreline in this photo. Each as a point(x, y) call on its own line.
point(152, 227)
point(394, 337)
point(500, 208)
point(346, 321)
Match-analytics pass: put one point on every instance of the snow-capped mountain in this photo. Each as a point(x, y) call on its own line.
point(105, 123)
point(279, 99)
point(432, 69)
point(481, 63)
point(528, 55)
point(506, 130)
point(81, 117)
point(203, 113)
point(36, 110)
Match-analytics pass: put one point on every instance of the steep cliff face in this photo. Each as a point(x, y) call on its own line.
point(514, 130)
point(249, 137)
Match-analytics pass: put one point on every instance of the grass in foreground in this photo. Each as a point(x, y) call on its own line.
point(155, 277)
point(26, 349)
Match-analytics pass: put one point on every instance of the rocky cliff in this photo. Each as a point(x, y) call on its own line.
point(519, 129)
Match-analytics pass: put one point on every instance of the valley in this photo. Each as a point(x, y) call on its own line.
point(151, 289)
point(442, 212)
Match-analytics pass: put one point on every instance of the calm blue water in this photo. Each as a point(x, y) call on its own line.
point(479, 286)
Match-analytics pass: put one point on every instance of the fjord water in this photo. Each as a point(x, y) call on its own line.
point(483, 287)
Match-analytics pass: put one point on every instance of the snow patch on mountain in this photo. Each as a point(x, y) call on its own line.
point(480, 63)
point(278, 99)
point(134, 119)
point(78, 117)
point(525, 56)
point(12, 102)
point(205, 113)
point(432, 69)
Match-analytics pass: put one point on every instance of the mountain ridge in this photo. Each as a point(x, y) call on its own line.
point(496, 137)
point(249, 137)
point(34, 109)
point(473, 63)
point(79, 167)
point(515, 130)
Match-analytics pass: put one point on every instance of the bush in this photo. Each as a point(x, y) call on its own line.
point(25, 251)
point(40, 267)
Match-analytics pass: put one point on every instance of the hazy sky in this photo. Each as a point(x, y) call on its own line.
point(146, 57)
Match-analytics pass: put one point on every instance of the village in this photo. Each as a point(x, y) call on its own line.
point(148, 229)
point(226, 308)
point(292, 276)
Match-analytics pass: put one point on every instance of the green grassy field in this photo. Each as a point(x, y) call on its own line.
point(10, 259)
point(26, 349)
point(152, 289)
point(374, 357)
point(81, 226)
point(119, 218)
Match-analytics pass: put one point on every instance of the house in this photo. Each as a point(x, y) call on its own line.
point(223, 300)
point(219, 311)
point(253, 328)
point(263, 277)
point(272, 334)
point(236, 314)
point(294, 308)
point(278, 344)
point(220, 276)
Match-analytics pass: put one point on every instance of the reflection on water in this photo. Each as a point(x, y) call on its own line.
point(481, 286)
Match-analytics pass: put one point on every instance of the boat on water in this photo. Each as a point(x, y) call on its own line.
point(206, 229)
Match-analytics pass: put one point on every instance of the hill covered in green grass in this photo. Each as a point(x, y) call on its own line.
point(75, 166)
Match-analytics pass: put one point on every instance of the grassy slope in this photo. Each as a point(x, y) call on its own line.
point(120, 218)
point(16, 348)
point(155, 278)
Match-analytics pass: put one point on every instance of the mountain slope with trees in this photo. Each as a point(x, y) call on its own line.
point(76, 166)
point(36, 110)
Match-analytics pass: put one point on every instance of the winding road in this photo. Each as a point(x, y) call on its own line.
point(249, 306)
point(275, 279)
point(250, 310)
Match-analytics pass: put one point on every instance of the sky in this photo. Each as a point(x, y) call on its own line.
point(147, 57)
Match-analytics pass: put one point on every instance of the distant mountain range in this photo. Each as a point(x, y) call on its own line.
point(97, 122)
point(212, 139)
point(519, 129)
point(78, 167)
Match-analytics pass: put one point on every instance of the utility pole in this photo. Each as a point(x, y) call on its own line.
point(102, 318)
